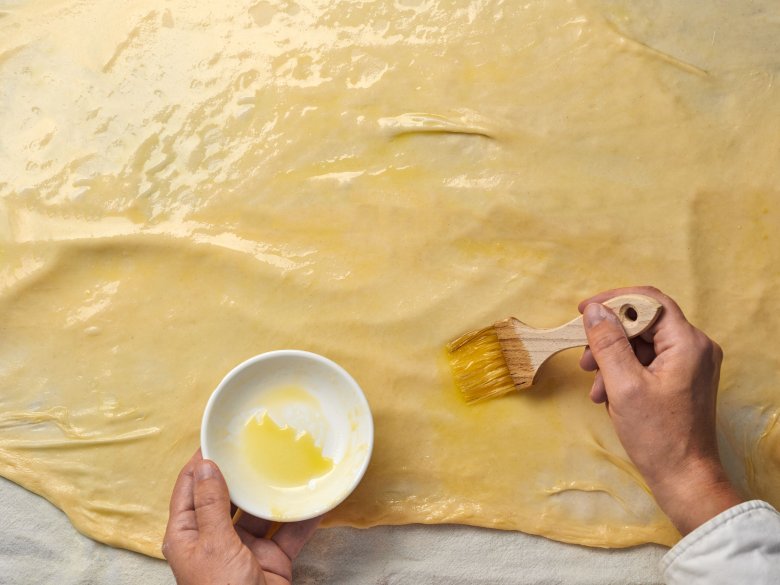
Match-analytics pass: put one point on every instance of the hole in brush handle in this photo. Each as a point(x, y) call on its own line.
point(629, 313)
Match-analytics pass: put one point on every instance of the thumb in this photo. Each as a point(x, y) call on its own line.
point(611, 349)
point(211, 499)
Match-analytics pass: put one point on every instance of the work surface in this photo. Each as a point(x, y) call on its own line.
point(38, 545)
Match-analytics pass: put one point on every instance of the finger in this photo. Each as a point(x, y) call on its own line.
point(182, 524)
point(255, 526)
point(644, 351)
point(291, 537)
point(598, 392)
point(212, 501)
point(268, 554)
point(587, 361)
point(274, 579)
point(670, 308)
point(610, 346)
point(182, 498)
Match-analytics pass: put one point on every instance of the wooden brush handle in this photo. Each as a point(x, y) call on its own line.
point(636, 313)
point(525, 349)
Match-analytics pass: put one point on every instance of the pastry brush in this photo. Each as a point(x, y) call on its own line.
point(507, 355)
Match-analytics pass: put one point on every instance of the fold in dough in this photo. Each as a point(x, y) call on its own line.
point(194, 186)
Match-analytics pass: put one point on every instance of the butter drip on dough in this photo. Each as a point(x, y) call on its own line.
point(192, 187)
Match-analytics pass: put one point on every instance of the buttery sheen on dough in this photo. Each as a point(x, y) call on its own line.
point(187, 184)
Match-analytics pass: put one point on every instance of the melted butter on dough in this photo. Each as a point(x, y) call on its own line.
point(189, 189)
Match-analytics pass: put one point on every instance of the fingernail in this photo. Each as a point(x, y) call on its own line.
point(594, 314)
point(204, 470)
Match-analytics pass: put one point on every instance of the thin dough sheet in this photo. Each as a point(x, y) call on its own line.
point(198, 184)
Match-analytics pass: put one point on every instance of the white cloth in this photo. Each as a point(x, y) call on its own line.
point(740, 545)
point(39, 546)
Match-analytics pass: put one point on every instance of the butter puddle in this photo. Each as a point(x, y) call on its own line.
point(283, 455)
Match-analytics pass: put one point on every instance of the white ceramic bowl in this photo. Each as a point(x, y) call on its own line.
point(335, 412)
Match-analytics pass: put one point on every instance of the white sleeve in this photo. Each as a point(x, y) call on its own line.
point(740, 545)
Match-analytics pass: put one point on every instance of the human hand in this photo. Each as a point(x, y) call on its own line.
point(660, 390)
point(202, 545)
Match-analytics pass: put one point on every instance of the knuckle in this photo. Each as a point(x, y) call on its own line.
point(691, 339)
point(697, 339)
point(717, 352)
point(701, 343)
point(607, 342)
point(705, 348)
point(652, 290)
point(631, 389)
point(208, 499)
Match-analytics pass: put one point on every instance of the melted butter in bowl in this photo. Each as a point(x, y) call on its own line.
point(291, 432)
point(283, 455)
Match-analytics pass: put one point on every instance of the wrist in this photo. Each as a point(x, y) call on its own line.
point(697, 495)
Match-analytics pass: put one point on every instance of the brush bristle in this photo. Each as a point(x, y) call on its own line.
point(478, 365)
